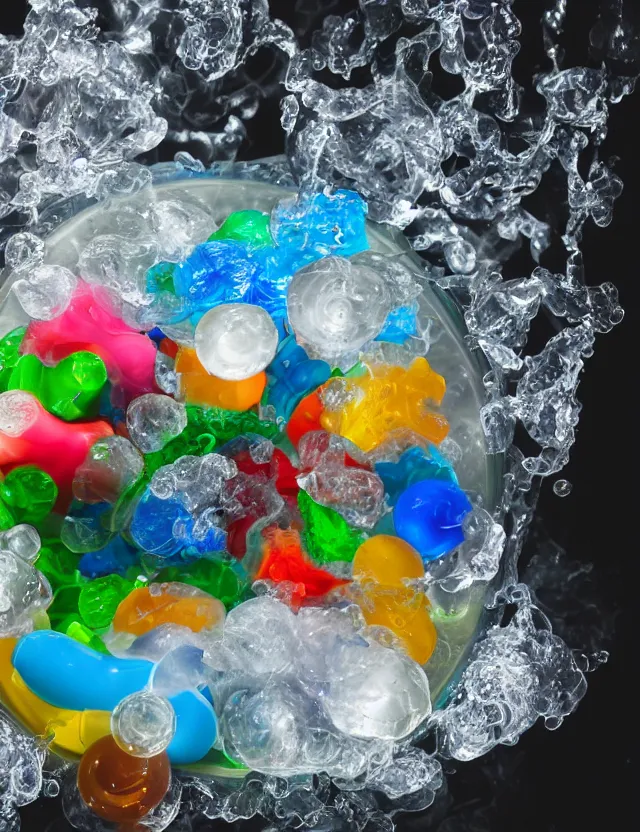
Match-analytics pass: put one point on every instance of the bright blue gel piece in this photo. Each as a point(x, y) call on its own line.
point(429, 516)
point(217, 272)
point(196, 727)
point(414, 465)
point(165, 528)
point(83, 679)
point(115, 558)
point(152, 527)
point(215, 539)
point(156, 334)
point(401, 324)
point(326, 223)
point(293, 375)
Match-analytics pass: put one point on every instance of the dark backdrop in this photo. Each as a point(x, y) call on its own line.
point(581, 777)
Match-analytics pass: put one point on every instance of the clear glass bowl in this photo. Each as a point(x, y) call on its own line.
point(67, 228)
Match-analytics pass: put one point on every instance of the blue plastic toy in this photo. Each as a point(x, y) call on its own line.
point(293, 375)
point(115, 558)
point(429, 515)
point(401, 324)
point(165, 528)
point(69, 675)
point(414, 465)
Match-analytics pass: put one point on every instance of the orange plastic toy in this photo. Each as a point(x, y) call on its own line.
point(171, 603)
point(197, 386)
point(390, 398)
point(305, 417)
point(284, 561)
point(121, 788)
point(379, 566)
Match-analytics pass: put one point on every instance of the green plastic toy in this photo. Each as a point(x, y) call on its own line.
point(28, 493)
point(250, 227)
point(10, 354)
point(70, 390)
point(327, 535)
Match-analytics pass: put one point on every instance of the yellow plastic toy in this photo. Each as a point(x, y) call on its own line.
point(197, 386)
point(390, 398)
point(67, 732)
point(379, 567)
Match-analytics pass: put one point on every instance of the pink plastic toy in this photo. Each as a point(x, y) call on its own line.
point(29, 435)
point(89, 323)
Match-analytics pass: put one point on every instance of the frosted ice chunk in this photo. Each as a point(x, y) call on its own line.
point(121, 265)
point(154, 420)
point(23, 541)
point(235, 341)
point(18, 412)
point(336, 306)
point(24, 592)
point(265, 729)
point(165, 374)
point(376, 692)
point(179, 225)
point(46, 292)
point(197, 481)
point(24, 251)
point(356, 494)
point(279, 730)
point(259, 636)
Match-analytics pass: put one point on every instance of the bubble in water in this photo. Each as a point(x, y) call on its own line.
point(562, 488)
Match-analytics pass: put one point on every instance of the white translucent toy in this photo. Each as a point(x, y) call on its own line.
point(235, 341)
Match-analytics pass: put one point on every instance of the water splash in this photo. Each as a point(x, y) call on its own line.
point(88, 97)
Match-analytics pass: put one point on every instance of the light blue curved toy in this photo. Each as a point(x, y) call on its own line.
point(414, 465)
point(292, 376)
point(69, 675)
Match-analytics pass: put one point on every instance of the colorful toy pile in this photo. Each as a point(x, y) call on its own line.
point(215, 529)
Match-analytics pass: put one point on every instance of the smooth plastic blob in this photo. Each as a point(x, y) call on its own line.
point(429, 516)
point(235, 341)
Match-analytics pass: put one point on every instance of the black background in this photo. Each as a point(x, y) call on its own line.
point(583, 776)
